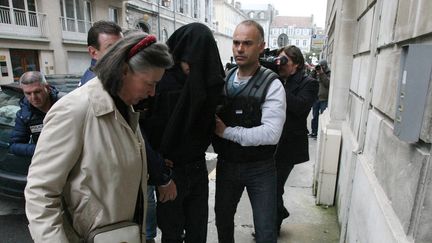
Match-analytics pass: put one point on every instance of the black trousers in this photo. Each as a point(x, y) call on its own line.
point(282, 170)
point(188, 213)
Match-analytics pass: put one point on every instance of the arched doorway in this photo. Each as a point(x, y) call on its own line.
point(142, 26)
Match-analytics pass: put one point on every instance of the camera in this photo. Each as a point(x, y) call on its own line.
point(276, 60)
point(270, 60)
point(318, 67)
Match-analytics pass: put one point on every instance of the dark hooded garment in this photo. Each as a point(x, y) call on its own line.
point(181, 120)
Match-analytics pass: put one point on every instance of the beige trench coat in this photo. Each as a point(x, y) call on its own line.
point(88, 153)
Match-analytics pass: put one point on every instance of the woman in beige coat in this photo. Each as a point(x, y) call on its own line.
point(91, 154)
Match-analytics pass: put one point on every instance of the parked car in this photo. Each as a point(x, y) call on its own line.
point(14, 169)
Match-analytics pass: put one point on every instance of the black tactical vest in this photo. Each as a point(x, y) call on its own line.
point(244, 110)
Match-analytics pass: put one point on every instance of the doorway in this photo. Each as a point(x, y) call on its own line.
point(23, 61)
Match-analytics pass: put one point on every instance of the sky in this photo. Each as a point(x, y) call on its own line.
point(297, 8)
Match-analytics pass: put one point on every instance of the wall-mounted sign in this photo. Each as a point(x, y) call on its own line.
point(3, 68)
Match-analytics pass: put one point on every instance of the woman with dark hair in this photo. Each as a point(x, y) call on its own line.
point(181, 126)
point(301, 92)
point(91, 156)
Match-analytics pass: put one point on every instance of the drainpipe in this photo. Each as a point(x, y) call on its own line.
point(159, 27)
point(124, 14)
point(174, 11)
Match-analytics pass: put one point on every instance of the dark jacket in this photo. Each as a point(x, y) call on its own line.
point(89, 74)
point(28, 125)
point(301, 92)
point(182, 119)
point(324, 84)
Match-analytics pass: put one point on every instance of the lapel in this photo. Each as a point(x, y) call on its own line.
point(294, 82)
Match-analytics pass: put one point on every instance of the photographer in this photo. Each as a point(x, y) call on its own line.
point(301, 92)
point(322, 74)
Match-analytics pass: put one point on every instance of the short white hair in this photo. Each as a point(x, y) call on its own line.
point(32, 77)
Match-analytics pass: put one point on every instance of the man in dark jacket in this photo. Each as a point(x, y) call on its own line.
point(322, 75)
point(101, 36)
point(301, 91)
point(38, 98)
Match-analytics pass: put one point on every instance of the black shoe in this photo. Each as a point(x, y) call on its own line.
point(278, 232)
point(312, 135)
point(285, 215)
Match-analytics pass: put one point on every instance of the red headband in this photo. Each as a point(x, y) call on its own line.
point(148, 40)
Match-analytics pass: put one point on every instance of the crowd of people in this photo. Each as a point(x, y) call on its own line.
point(129, 144)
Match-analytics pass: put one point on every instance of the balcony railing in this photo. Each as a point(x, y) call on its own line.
point(75, 29)
point(18, 22)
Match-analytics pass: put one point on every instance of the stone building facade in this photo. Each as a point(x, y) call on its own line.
point(288, 30)
point(228, 15)
point(51, 35)
point(381, 104)
point(264, 14)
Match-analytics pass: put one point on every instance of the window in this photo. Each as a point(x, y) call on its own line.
point(19, 12)
point(251, 15)
point(186, 7)
point(166, 3)
point(304, 42)
point(76, 15)
point(87, 11)
point(113, 14)
point(207, 18)
point(282, 40)
point(164, 35)
point(195, 9)
point(4, 3)
point(261, 15)
point(4, 12)
point(142, 26)
point(180, 6)
point(297, 43)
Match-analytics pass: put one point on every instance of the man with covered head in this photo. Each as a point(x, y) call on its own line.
point(181, 126)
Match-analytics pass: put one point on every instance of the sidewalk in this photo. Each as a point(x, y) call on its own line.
point(307, 223)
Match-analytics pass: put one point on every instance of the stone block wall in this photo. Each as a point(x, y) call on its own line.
point(384, 185)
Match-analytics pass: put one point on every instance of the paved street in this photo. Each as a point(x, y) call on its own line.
point(308, 223)
point(13, 221)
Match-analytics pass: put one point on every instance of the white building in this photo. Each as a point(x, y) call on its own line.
point(48, 36)
point(228, 15)
point(51, 35)
point(288, 30)
point(380, 106)
point(163, 17)
point(263, 14)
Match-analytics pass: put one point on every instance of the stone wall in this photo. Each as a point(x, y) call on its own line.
point(384, 184)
